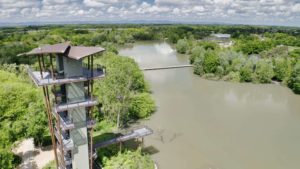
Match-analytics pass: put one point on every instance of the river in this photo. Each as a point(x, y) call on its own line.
point(203, 124)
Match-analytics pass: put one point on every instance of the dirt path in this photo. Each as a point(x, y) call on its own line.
point(33, 158)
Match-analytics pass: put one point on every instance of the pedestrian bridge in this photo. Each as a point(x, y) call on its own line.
point(135, 133)
point(166, 67)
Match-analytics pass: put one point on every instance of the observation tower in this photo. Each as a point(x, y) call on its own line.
point(69, 72)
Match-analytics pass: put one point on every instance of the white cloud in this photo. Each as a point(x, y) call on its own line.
point(296, 8)
point(93, 3)
point(4, 4)
point(111, 9)
point(237, 11)
point(198, 8)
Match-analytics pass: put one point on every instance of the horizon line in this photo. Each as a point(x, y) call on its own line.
point(134, 22)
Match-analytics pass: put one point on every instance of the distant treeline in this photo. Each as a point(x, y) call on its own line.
point(15, 40)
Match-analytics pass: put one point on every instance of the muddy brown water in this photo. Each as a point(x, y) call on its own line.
point(203, 124)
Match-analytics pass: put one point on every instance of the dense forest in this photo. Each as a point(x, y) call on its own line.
point(259, 54)
point(258, 58)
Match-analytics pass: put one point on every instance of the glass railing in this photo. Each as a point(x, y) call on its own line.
point(66, 123)
point(96, 66)
point(67, 159)
point(48, 78)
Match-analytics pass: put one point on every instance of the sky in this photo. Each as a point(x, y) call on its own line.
point(252, 12)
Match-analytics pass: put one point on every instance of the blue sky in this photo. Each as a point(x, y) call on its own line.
point(258, 12)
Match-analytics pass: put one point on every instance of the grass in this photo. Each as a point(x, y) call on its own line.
point(104, 126)
point(50, 165)
point(291, 48)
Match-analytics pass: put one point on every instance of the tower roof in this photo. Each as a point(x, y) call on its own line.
point(74, 52)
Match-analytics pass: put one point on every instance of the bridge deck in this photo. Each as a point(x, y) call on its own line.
point(166, 67)
point(136, 133)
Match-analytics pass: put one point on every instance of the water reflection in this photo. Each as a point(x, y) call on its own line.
point(158, 54)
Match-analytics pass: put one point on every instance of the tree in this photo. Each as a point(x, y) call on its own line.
point(209, 45)
point(197, 52)
point(264, 71)
point(198, 67)
point(246, 72)
point(21, 114)
point(8, 160)
point(295, 53)
point(219, 71)
point(211, 62)
point(182, 46)
point(142, 105)
point(129, 160)
point(279, 51)
point(282, 68)
point(233, 77)
point(294, 81)
point(123, 81)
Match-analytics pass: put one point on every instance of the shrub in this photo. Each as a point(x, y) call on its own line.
point(264, 71)
point(282, 68)
point(220, 71)
point(129, 159)
point(211, 62)
point(233, 77)
point(209, 45)
point(237, 63)
point(198, 67)
point(197, 52)
point(142, 105)
point(225, 60)
point(294, 81)
point(295, 53)
point(8, 159)
point(246, 72)
point(279, 51)
point(182, 46)
point(210, 76)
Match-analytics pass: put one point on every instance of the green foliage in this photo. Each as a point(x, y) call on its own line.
point(211, 62)
point(209, 45)
point(264, 71)
point(282, 68)
point(9, 52)
point(50, 165)
point(210, 76)
point(198, 68)
point(197, 52)
point(295, 53)
point(144, 34)
point(237, 62)
point(129, 160)
point(8, 160)
point(104, 126)
point(109, 151)
point(233, 77)
point(294, 81)
point(123, 81)
point(219, 71)
point(279, 51)
point(253, 45)
point(182, 46)
point(21, 113)
point(246, 72)
point(283, 39)
point(142, 105)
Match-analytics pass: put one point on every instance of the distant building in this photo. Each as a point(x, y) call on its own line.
point(224, 40)
point(221, 37)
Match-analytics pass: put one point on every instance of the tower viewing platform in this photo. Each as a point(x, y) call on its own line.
point(69, 71)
